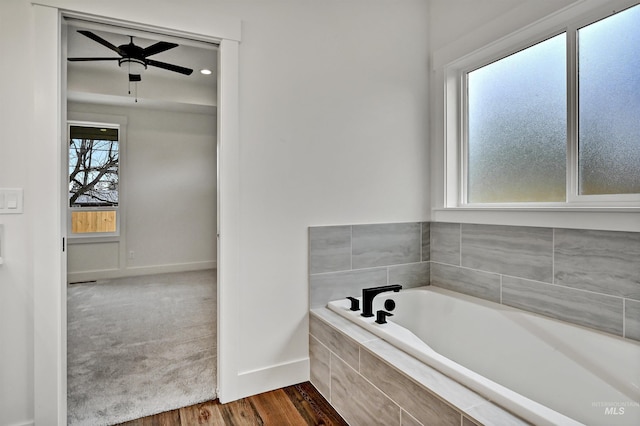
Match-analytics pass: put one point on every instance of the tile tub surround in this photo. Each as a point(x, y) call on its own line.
point(345, 259)
point(369, 381)
point(590, 278)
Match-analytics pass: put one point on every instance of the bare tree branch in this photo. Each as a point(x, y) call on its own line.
point(90, 168)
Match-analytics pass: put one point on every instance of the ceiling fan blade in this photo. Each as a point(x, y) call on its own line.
point(102, 41)
point(160, 46)
point(135, 77)
point(170, 67)
point(92, 59)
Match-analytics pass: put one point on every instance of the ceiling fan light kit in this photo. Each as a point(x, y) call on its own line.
point(132, 65)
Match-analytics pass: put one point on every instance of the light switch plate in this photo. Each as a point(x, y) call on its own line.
point(11, 200)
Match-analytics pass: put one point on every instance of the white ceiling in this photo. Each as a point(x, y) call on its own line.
point(106, 82)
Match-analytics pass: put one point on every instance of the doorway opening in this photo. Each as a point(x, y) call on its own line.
point(142, 299)
point(49, 192)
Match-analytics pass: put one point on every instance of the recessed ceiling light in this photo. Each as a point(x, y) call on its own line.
point(205, 71)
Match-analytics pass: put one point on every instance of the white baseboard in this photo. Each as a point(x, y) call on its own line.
point(274, 377)
point(166, 269)
point(108, 274)
point(29, 423)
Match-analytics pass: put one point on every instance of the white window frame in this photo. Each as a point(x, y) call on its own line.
point(120, 124)
point(455, 123)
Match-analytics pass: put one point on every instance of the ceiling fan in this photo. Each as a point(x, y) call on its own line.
point(134, 59)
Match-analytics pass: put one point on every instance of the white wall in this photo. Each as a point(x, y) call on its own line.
point(168, 196)
point(16, 289)
point(333, 115)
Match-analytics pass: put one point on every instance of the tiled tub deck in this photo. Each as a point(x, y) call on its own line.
point(370, 382)
point(589, 278)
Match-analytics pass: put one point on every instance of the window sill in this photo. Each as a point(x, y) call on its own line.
point(88, 239)
point(610, 209)
point(595, 218)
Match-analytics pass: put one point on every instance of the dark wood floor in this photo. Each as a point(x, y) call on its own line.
point(295, 405)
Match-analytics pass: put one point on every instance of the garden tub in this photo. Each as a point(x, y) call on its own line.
point(548, 372)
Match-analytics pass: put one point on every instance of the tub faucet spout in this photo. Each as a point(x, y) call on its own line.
point(369, 293)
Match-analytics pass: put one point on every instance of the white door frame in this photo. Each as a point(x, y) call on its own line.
point(47, 194)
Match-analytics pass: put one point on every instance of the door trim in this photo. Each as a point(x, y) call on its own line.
point(47, 192)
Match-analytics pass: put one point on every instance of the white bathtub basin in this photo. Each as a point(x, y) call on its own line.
point(546, 371)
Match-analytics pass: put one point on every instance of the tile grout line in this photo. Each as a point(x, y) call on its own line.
point(330, 374)
point(624, 322)
point(406, 375)
point(365, 378)
point(351, 247)
point(372, 384)
point(370, 268)
point(360, 347)
point(421, 240)
point(460, 246)
point(553, 255)
point(530, 279)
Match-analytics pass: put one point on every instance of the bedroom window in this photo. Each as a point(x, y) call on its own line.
point(554, 122)
point(94, 165)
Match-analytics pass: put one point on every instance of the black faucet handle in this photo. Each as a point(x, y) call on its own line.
point(389, 305)
point(355, 303)
point(381, 316)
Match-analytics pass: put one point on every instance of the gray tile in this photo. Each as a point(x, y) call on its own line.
point(342, 325)
point(416, 400)
point(579, 307)
point(343, 346)
point(410, 275)
point(468, 422)
point(329, 249)
point(601, 261)
point(407, 420)
point(426, 376)
point(632, 319)
point(524, 252)
point(445, 242)
point(319, 359)
point(426, 241)
point(357, 401)
point(324, 288)
point(474, 283)
point(385, 244)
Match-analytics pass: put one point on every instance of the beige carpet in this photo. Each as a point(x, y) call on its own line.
point(140, 346)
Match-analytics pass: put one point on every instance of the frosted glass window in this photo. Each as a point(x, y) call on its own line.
point(609, 105)
point(517, 127)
